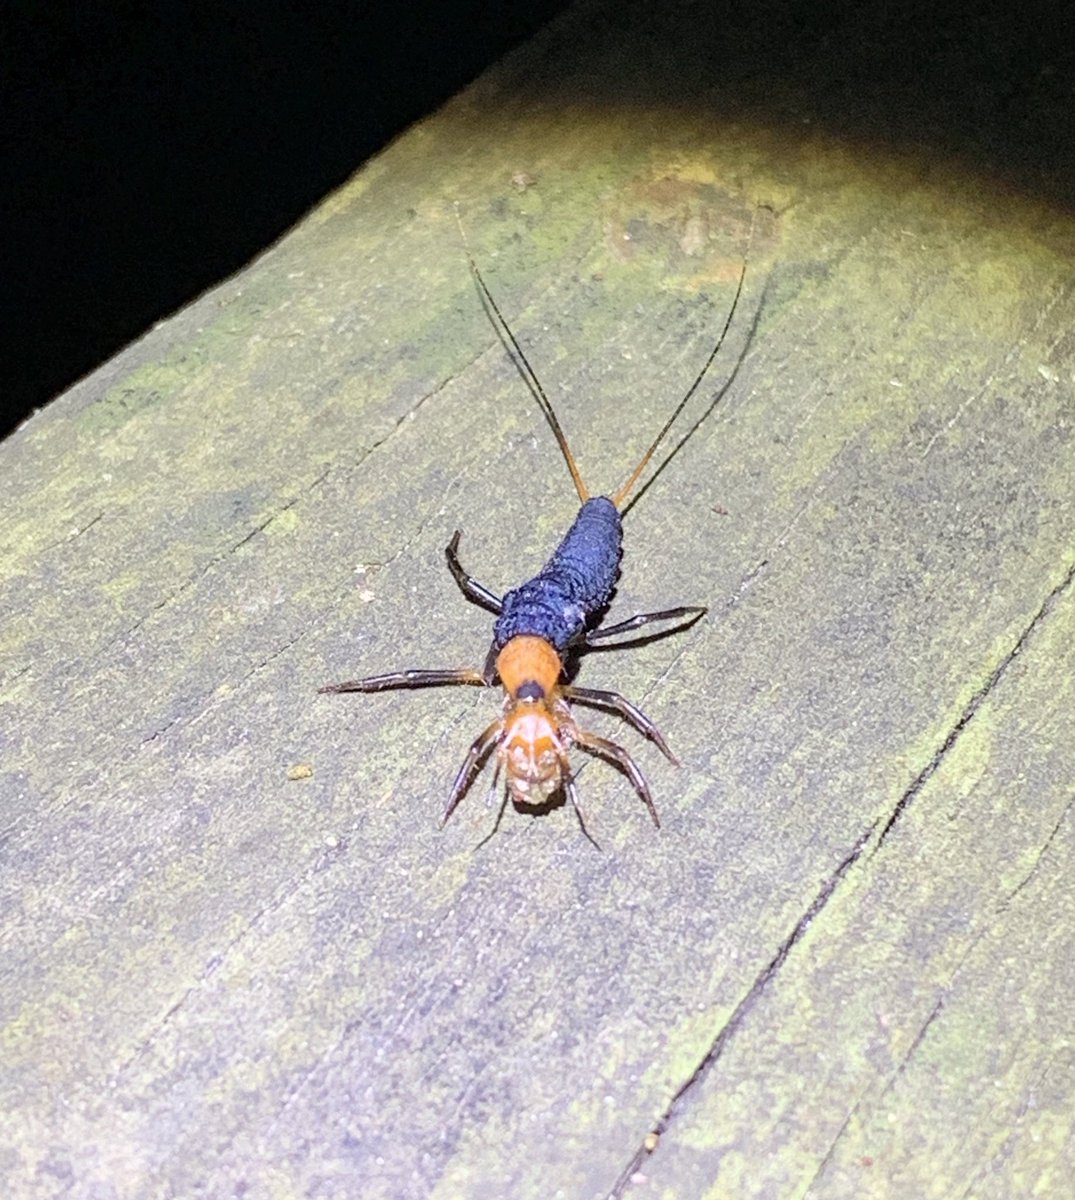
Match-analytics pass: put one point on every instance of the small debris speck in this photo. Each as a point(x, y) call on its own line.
point(300, 771)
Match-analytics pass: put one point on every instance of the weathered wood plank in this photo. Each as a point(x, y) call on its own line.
point(847, 950)
point(918, 1040)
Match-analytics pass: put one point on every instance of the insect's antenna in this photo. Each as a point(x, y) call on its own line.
point(527, 371)
point(619, 497)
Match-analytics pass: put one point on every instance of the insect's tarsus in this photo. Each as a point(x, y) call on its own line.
point(542, 623)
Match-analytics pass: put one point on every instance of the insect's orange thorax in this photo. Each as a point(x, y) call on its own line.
point(532, 748)
point(528, 660)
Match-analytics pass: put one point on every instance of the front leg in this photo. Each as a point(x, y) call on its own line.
point(476, 755)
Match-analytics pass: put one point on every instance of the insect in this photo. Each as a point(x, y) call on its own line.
point(544, 622)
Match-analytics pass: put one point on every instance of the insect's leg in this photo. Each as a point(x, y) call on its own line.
point(631, 713)
point(492, 786)
point(475, 592)
point(479, 748)
point(499, 812)
point(603, 748)
point(573, 795)
point(407, 679)
point(692, 611)
point(489, 669)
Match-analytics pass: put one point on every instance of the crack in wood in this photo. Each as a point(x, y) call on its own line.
point(972, 707)
point(741, 1012)
point(827, 1157)
point(1042, 852)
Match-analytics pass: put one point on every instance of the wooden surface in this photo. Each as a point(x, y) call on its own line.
point(843, 967)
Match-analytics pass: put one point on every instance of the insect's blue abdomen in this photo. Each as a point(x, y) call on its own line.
point(574, 584)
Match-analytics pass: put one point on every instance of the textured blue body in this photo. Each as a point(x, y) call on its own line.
point(574, 584)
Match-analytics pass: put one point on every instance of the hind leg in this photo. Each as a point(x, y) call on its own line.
point(474, 591)
point(692, 613)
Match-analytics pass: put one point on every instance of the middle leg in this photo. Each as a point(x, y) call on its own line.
point(603, 748)
point(631, 713)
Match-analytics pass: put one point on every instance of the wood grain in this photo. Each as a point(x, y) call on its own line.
point(239, 957)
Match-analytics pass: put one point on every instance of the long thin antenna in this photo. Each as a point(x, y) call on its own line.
point(528, 371)
point(619, 497)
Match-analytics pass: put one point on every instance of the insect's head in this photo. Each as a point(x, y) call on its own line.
point(533, 751)
point(537, 729)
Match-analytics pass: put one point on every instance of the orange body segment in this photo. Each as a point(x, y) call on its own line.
point(535, 760)
point(532, 738)
point(528, 660)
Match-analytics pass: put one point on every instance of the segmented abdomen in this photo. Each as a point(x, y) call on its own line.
point(575, 583)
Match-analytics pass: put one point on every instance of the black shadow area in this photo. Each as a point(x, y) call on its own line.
point(150, 150)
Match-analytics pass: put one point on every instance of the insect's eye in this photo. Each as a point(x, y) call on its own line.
point(531, 762)
point(533, 775)
point(546, 762)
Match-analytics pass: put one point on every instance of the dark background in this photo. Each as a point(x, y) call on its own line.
point(151, 149)
point(148, 150)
